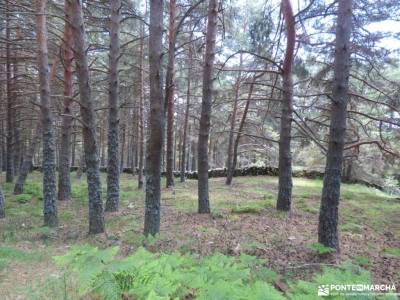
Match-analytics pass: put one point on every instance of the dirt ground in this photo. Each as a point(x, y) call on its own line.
point(243, 220)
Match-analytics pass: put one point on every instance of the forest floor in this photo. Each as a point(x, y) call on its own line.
point(243, 220)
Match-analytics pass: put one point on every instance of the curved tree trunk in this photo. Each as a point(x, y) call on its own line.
point(49, 163)
point(64, 163)
point(285, 155)
point(112, 202)
point(156, 121)
point(91, 153)
point(328, 215)
point(204, 130)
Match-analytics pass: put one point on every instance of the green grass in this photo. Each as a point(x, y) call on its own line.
point(394, 252)
point(352, 227)
point(10, 255)
point(23, 198)
point(320, 249)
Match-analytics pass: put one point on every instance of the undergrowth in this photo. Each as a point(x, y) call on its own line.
point(150, 276)
point(145, 275)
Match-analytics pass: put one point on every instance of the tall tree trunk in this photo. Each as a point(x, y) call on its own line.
point(64, 163)
point(187, 113)
point(231, 172)
point(169, 94)
point(27, 162)
point(73, 144)
point(49, 163)
point(113, 161)
point(285, 156)
point(229, 162)
point(141, 109)
point(122, 150)
point(204, 131)
point(328, 216)
point(9, 109)
point(156, 121)
point(96, 213)
point(2, 204)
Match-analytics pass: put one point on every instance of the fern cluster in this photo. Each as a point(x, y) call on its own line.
point(149, 276)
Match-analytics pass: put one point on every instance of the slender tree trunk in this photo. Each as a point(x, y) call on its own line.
point(113, 160)
point(64, 163)
point(156, 121)
point(27, 162)
point(229, 162)
point(187, 113)
point(9, 110)
point(141, 110)
point(49, 163)
point(285, 156)
point(169, 94)
point(73, 144)
point(204, 131)
point(123, 142)
point(328, 216)
point(96, 214)
point(2, 205)
point(231, 172)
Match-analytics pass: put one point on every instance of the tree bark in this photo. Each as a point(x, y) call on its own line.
point(169, 94)
point(9, 113)
point(328, 216)
point(27, 162)
point(49, 163)
point(2, 205)
point(285, 156)
point(204, 130)
point(141, 110)
point(64, 163)
point(187, 112)
point(91, 153)
point(112, 203)
point(229, 162)
point(156, 121)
